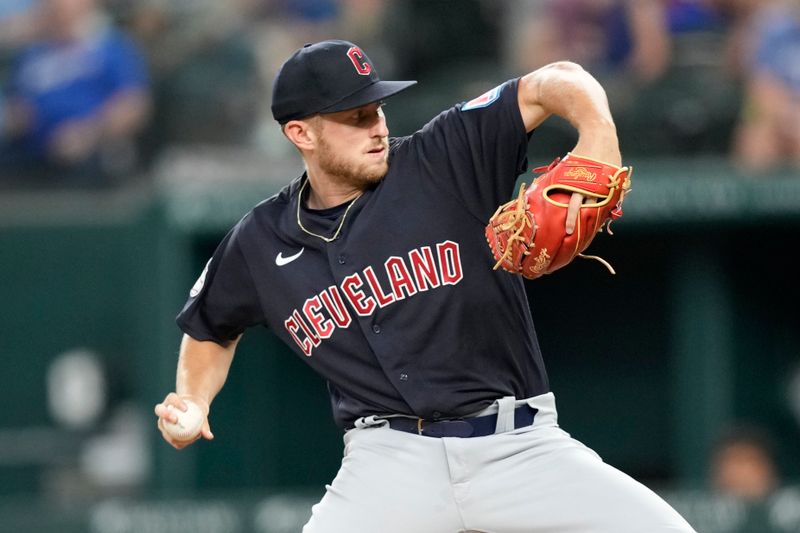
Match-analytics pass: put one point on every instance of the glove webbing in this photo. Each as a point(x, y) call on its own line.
point(517, 217)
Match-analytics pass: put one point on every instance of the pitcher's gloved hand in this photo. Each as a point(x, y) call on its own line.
point(528, 235)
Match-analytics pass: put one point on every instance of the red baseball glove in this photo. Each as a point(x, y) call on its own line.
point(528, 235)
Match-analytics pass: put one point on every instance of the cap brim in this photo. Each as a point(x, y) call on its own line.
point(371, 93)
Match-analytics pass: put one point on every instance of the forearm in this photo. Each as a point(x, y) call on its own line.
point(203, 368)
point(567, 90)
point(120, 118)
point(125, 114)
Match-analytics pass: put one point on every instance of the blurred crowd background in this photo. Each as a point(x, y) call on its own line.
point(94, 91)
point(120, 104)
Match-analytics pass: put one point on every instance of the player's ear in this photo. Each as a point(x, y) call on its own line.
point(301, 133)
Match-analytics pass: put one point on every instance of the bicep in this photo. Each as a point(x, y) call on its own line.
point(528, 97)
point(565, 89)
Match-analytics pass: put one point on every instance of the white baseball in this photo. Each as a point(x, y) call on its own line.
point(189, 422)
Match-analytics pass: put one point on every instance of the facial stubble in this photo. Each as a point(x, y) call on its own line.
point(355, 174)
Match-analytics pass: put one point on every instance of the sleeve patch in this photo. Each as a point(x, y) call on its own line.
point(201, 281)
point(484, 100)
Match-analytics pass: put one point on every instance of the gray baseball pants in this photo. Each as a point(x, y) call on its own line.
point(527, 480)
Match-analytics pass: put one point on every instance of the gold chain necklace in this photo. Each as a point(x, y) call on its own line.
point(341, 223)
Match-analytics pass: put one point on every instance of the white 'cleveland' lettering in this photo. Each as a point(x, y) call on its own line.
point(322, 313)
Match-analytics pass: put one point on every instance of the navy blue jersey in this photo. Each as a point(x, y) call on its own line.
point(402, 313)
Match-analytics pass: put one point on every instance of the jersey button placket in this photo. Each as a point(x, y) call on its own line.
point(376, 329)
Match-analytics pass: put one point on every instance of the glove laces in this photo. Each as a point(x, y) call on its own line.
point(600, 259)
point(517, 217)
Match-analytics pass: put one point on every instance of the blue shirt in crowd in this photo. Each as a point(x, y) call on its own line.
point(69, 81)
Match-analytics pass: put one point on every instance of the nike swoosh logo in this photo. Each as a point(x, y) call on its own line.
point(280, 260)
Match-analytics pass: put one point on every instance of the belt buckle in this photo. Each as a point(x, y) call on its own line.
point(445, 428)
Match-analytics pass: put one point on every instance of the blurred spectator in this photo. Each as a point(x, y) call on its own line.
point(744, 470)
point(624, 42)
point(661, 62)
point(766, 48)
point(212, 63)
point(609, 37)
point(204, 70)
point(743, 465)
point(76, 100)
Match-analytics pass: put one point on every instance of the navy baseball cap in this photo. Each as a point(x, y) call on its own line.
point(326, 77)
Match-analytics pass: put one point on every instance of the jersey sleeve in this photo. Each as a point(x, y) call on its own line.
point(223, 301)
point(476, 150)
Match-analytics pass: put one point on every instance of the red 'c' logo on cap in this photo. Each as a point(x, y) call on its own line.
point(357, 57)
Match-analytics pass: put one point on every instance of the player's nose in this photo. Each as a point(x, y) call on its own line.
point(380, 129)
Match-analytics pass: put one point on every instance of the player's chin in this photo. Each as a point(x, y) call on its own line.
point(375, 172)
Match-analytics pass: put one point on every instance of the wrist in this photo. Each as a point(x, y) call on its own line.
point(202, 402)
point(599, 129)
point(602, 145)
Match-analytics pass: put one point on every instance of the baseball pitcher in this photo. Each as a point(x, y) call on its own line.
point(373, 266)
